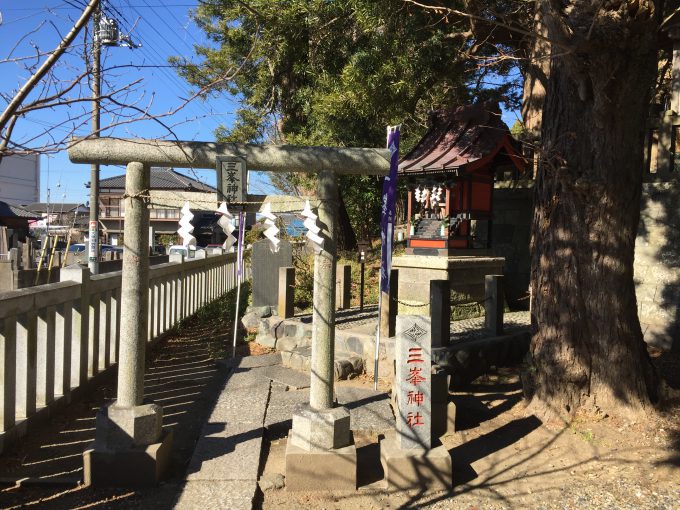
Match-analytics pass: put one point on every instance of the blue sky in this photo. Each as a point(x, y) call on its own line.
point(164, 29)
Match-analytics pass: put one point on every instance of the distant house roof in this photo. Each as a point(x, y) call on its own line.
point(9, 211)
point(461, 138)
point(54, 207)
point(161, 178)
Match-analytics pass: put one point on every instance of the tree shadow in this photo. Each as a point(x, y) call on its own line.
point(466, 454)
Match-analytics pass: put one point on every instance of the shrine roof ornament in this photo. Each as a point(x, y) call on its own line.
point(460, 140)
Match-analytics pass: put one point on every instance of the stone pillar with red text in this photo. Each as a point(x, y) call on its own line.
point(412, 459)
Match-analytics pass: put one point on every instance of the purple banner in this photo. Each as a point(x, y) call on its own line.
point(241, 240)
point(389, 198)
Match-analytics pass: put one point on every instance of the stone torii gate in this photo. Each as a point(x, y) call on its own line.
point(130, 429)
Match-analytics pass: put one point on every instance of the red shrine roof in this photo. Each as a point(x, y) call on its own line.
point(463, 139)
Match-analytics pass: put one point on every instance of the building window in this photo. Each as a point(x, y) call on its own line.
point(112, 207)
point(164, 214)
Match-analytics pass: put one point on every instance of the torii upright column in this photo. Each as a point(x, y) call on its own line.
point(130, 447)
point(320, 454)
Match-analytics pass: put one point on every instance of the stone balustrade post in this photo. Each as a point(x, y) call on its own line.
point(440, 312)
point(493, 303)
point(45, 355)
point(344, 287)
point(8, 356)
point(80, 322)
point(286, 292)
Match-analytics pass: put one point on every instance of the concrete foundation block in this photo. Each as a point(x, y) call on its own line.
point(142, 466)
point(320, 430)
point(429, 470)
point(327, 470)
point(127, 427)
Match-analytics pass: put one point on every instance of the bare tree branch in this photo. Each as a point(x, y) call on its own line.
point(47, 65)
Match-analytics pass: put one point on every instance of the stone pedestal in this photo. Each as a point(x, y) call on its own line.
point(130, 448)
point(413, 460)
point(321, 470)
point(320, 454)
point(407, 469)
point(142, 466)
point(464, 273)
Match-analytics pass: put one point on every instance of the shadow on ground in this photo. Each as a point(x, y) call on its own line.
point(182, 375)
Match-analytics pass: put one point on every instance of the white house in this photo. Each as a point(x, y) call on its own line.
point(20, 179)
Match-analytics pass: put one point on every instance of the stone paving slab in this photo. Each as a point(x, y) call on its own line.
point(264, 360)
point(286, 376)
point(205, 495)
point(281, 406)
point(224, 467)
point(242, 405)
point(226, 451)
point(369, 410)
point(473, 329)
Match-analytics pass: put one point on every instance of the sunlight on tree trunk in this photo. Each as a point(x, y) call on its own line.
point(587, 349)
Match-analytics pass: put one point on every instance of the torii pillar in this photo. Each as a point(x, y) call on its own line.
point(321, 454)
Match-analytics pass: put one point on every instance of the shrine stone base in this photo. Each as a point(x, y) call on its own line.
point(465, 274)
point(429, 470)
point(140, 466)
point(321, 470)
point(320, 453)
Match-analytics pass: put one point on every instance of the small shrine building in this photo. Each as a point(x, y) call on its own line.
point(450, 176)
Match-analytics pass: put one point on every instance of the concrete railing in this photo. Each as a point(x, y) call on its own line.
point(57, 339)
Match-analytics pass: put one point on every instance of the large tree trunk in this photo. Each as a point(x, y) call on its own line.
point(536, 72)
point(587, 348)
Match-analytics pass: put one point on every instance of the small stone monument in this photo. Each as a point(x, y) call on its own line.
point(412, 460)
point(266, 264)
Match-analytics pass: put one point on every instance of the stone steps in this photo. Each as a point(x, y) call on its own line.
point(346, 366)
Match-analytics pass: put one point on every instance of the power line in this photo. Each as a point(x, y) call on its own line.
point(42, 9)
point(183, 87)
point(170, 28)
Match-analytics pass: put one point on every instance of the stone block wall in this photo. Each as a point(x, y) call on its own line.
point(511, 232)
point(657, 264)
point(657, 254)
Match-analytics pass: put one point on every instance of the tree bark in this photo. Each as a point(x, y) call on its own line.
point(587, 349)
point(347, 239)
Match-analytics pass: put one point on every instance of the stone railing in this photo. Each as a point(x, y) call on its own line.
point(56, 340)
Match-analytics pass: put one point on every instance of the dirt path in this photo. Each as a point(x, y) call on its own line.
point(504, 457)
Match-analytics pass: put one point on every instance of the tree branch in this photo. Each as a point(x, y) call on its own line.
point(47, 65)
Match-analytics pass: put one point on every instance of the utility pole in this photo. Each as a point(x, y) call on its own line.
point(93, 240)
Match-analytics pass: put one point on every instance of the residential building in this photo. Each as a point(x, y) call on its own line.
point(20, 179)
point(59, 218)
point(169, 191)
point(14, 221)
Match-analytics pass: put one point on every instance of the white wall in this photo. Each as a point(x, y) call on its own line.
point(20, 179)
